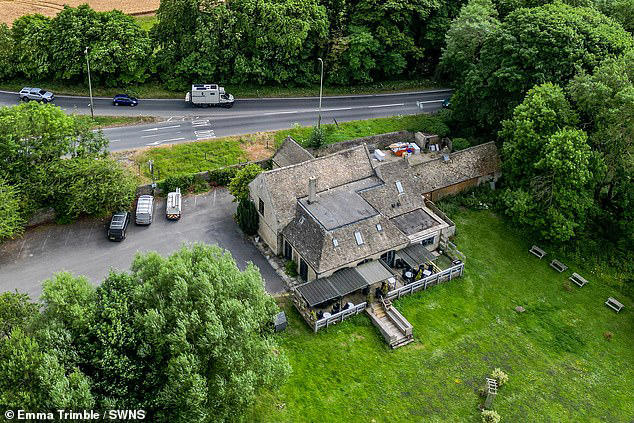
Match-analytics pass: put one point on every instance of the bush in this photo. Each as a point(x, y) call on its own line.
point(490, 416)
point(460, 144)
point(290, 267)
point(317, 138)
point(500, 376)
point(169, 184)
point(11, 222)
point(239, 185)
point(221, 177)
point(247, 217)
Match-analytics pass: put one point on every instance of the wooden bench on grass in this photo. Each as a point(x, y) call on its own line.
point(537, 252)
point(578, 279)
point(614, 304)
point(558, 266)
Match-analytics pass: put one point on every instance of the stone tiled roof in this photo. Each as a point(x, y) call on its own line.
point(315, 243)
point(463, 165)
point(291, 153)
point(285, 185)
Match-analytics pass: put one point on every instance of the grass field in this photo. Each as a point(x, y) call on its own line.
point(199, 156)
point(154, 89)
point(561, 367)
point(110, 121)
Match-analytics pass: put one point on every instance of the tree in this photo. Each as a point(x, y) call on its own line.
point(542, 44)
point(621, 11)
point(239, 185)
point(32, 37)
point(16, 311)
point(11, 221)
point(7, 67)
point(85, 186)
point(464, 39)
point(549, 168)
point(247, 216)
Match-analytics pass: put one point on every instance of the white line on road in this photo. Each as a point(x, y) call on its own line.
point(114, 140)
point(174, 139)
point(162, 127)
point(153, 135)
point(430, 101)
point(386, 105)
point(336, 109)
point(281, 113)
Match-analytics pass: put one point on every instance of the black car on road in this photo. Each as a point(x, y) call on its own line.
point(118, 226)
point(125, 100)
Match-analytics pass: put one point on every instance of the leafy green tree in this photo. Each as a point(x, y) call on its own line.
point(352, 58)
point(621, 11)
point(11, 221)
point(239, 185)
point(85, 186)
point(247, 217)
point(16, 311)
point(7, 50)
point(549, 168)
point(32, 38)
point(464, 39)
point(542, 44)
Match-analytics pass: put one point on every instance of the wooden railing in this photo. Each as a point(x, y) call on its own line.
point(431, 280)
point(339, 317)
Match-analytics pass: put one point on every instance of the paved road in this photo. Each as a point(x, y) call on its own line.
point(184, 123)
point(83, 249)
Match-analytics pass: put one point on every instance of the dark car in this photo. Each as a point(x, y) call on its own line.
point(124, 100)
point(446, 104)
point(118, 226)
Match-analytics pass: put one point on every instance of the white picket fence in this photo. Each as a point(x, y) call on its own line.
point(431, 280)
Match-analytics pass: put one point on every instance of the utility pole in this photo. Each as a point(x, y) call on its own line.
point(92, 113)
point(321, 89)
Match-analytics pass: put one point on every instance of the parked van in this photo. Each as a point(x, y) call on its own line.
point(118, 226)
point(173, 209)
point(144, 210)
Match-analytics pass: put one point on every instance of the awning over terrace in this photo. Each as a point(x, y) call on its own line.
point(343, 282)
point(415, 255)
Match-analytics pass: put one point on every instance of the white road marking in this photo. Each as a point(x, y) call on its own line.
point(153, 135)
point(337, 109)
point(281, 113)
point(204, 122)
point(162, 127)
point(114, 140)
point(430, 101)
point(386, 105)
point(173, 139)
point(204, 134)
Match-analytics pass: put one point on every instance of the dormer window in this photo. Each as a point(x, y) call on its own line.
point(399, 187)
point(301, 220)
point(379, 228)
point(335, 243)
point(358, 237)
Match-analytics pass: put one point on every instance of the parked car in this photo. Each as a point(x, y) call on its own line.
point(446, 104)
point(118, 226)
point(125, 100)
point(144, 210)
point(173, 209)
point(36, 94)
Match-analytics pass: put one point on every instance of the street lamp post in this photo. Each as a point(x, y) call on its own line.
point(92, 113)
point(321, 89)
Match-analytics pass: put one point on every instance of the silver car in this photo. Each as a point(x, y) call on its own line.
point(36, 94)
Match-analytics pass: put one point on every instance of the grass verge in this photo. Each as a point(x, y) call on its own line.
point(560, 365)
point(154, 89)
point(111, 121)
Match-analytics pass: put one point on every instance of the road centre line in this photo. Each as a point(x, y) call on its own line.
point(387, 105)
point(162, 127)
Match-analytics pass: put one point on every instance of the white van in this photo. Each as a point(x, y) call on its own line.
point(173, 209)
point(144, 210)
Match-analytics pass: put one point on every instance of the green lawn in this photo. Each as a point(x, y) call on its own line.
point(109, 121)
point(154, 89)
point(560, 366)
point(362, 128)
point(188, 158)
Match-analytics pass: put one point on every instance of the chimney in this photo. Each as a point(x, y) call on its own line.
point(312, 190)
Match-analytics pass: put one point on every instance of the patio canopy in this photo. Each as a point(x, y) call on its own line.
point(374, 271)
point(415, 255)
point(347, 281)
point(318, 291)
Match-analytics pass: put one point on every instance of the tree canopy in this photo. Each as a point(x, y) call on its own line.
point(186, 338)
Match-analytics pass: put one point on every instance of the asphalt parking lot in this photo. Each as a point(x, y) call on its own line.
point(82, 248)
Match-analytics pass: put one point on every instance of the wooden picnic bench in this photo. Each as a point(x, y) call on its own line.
point(558, 266)
point(614, 304)
point(538, 252)
point(578, 279)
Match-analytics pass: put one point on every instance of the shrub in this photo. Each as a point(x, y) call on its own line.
point(490, 416)
point(170, 183)
point(11, 221)
point(317, 138)
point(221, 177)
point(460, 144)
point(247, 217)
point(500, 376)
point(290, 267)
point(239, 185)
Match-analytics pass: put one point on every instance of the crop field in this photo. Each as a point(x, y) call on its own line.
point(13, 9)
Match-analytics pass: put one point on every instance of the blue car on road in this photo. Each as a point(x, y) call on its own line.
point(124, 100)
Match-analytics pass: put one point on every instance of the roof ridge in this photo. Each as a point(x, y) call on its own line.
point(357, 147)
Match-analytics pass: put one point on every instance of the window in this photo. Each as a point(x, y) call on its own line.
point(428, 241)
point(358, 237)
point(399, 187)
point(261, 207)
point(335, 243)
point(301, 220)
point(379, 228)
